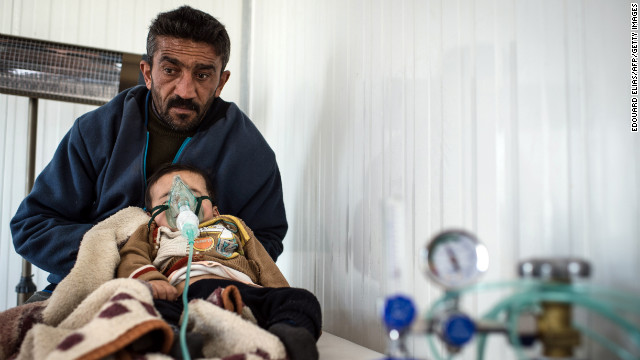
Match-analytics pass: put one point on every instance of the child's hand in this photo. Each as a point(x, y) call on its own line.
point(163, 290)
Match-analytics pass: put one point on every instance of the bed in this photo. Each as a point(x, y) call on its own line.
point(332, 347)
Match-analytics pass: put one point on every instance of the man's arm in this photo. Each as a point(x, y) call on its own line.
point(265, 213)
point(51, 220)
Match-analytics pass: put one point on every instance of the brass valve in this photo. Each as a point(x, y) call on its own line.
point(555, 329)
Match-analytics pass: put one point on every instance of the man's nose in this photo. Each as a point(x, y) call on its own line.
point(185, 88)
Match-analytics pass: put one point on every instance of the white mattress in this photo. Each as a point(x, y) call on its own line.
point(332, 347)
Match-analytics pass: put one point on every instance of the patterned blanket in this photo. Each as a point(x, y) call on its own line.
point(91, 315)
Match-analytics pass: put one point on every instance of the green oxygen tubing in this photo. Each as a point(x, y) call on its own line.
point(187, 222)
point(614, 306)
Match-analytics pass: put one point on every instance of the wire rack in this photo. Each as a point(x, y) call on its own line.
point(49, 70)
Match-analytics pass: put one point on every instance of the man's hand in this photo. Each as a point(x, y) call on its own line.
point(163, 290)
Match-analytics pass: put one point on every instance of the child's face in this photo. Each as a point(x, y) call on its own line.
point(159, 193)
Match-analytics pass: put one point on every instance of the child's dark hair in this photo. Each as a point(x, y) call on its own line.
point(171, 168)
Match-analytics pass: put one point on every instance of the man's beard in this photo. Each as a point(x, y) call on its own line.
point(177, 101)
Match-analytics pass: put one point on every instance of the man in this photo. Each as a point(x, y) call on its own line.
point(102, 163)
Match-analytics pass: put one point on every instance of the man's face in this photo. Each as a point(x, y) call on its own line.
point(159, 194)
point(184, 81)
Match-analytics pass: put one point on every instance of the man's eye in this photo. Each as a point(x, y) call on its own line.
point(202, 76)
point(168, 71)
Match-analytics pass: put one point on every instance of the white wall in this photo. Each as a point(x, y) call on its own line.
point(509, 118)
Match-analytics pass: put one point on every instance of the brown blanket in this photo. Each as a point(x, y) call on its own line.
point(91, 315)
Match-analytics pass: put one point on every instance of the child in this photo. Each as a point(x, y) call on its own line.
point(225, 253)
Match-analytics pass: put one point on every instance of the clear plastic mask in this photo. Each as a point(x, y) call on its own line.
point(180, 196)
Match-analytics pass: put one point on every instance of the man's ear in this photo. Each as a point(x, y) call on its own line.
point(145, 68)
point(224, 77)
point(216, 213)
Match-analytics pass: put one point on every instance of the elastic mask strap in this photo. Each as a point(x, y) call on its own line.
point(199, 202)
point(155, 212)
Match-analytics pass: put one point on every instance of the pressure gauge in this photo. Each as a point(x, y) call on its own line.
point(455, 258)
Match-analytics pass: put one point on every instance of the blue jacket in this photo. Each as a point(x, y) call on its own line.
point(99, 168)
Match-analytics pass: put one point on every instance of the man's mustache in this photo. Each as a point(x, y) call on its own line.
point(179, 102)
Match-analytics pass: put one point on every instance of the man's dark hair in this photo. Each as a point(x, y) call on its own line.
point(171, 168)
point(189, 23)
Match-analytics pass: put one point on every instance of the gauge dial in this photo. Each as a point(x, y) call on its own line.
point(455, 258)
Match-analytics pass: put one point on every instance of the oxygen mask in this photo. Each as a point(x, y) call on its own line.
point(182, 209)
point(181, 199)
